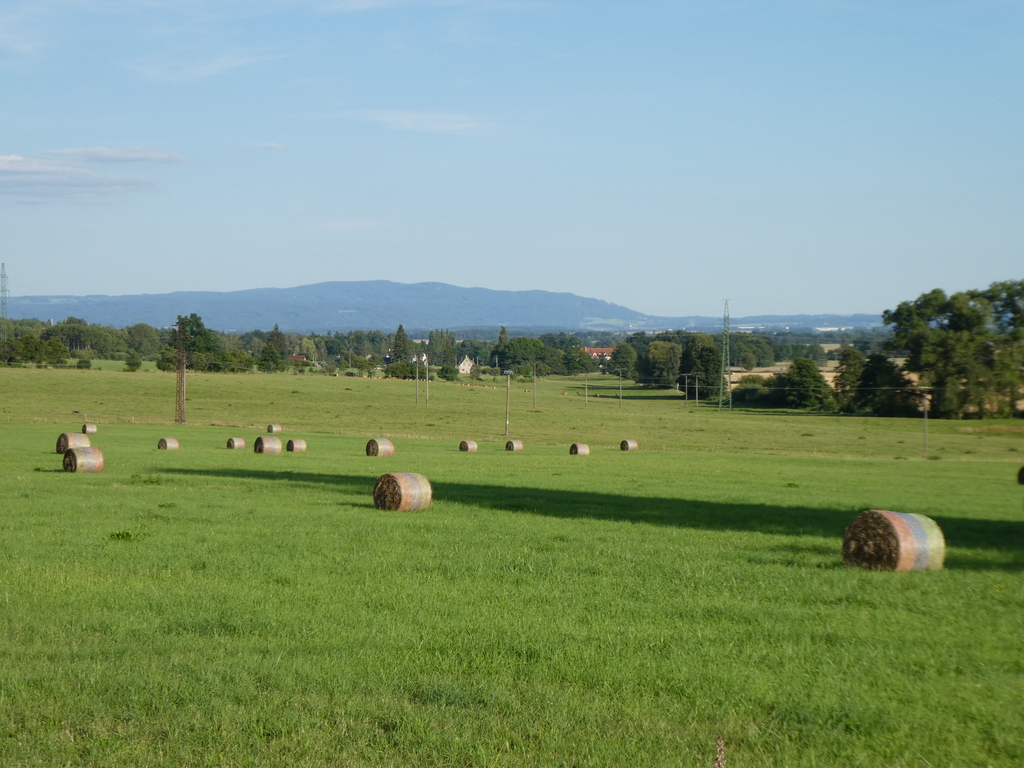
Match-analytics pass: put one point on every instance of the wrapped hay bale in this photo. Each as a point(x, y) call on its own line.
point(83, 460)
point(514, 445)
point(268, 445)
point(88, 429)
point(1020, 476)
point(236, 443)
point(401, 491)
point(274, 429)
point(629, 445)
point(167, 444)
point(380, 447)
point(296, 446)
point(468, 446)
point(579, 449)
point(68, 440)
point(894, 541)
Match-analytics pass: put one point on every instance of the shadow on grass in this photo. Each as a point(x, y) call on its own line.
point(998, 536)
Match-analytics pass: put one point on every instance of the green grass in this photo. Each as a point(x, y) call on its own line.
point(214, 607)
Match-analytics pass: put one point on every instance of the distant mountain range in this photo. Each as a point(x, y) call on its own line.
point(381, 304)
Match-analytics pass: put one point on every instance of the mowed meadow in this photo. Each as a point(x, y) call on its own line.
point(210, 607)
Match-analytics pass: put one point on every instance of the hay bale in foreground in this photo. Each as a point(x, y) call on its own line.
point(236, 443)
point(579, 449)
point(1020, 476)
point(167, 444)
point(268, 445)
point(380, 447)
point(274, 429)
point(88, 429)
point(67, 440)
point(894, 541)
point(401, 491)
point(296, 446)
point(629, 445)
point(514, 445)
point(83, 460)
point(468, 446)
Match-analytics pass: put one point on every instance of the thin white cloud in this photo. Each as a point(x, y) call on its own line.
point(272, 145)
point(34, 180)
point(455, 123)
point(120, 155)
point(182, 73)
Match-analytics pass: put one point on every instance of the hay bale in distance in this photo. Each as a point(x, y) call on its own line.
point(402, 491)
point(296, 446)
point(380, 447)
point(629, 445)
point(88, 429)
point(468, 446)
point(83, 460)
point(67, 440)
point(167, 444)
point(236, 443)
point(514, 445)
point(268, 445)
point(579, 449)
point(894, 541)
point(274, 429)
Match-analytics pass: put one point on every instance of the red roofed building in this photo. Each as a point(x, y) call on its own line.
point(601, 354)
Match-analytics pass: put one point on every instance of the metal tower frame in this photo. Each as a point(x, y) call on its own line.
point(725, 389)
point(3, 303)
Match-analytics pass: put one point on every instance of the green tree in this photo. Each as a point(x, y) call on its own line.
point(702, 362)
point(623, 358)
point(884, 390)
point(401, 350)
point(269, 359)
point(143, 339)
point(848, 380)
point(659, 365)
point(806, 387)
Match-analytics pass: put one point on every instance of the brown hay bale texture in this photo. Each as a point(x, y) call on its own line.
point(68, 440)
point(83, 460)
point(1020, 476)
point(514, 445)
point(267, 445)
point(579, 449)
point(629, 445)
point(380, 447)
point(468, 446)
point(894, 541)
point(296, 446)
point(236, 443)
point(274, 429)
point(402, 491)
point(88, 429)
point(167, 444)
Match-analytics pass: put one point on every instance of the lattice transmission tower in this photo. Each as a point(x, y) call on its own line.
point(724, 386)
point(179, 411)
point(3, 303)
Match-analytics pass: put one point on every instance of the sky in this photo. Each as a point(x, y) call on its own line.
point(814, 156)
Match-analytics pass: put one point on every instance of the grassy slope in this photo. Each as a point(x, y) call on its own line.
point(210, 607)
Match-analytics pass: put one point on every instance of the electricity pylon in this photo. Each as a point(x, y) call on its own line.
point(724, 388)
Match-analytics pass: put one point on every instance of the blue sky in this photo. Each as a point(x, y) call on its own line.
point(789, 156)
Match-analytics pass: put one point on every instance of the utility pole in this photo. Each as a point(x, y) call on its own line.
point(534, 385)
point(586, 391)
point(619, 371)
point(417, 381)
point(426, 374)
point(508, 397)
point(179, 410)
point(927, 407)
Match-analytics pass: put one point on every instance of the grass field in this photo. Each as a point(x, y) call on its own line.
point(209, 607)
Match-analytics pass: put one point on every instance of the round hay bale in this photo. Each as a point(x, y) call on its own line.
point(894, 541)
point(268, 445)
point(83, 460)
point(1020, 476)
point(579, 449)
point(380, 447)
point(468, 446)
point(236, 443)
point(274, 429)
point(629, 445)
point(68, 440)
point(167, 444)
point(296, 446)
point(514, 445)
point(401, 491)
point(88, 429)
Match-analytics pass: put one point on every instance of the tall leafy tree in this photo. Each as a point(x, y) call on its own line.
point(806, 387)
point(659, 365)
point(847, 382)
point(401, 349)
point(702, 361)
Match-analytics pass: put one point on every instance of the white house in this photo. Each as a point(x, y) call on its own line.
point(466, 366)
